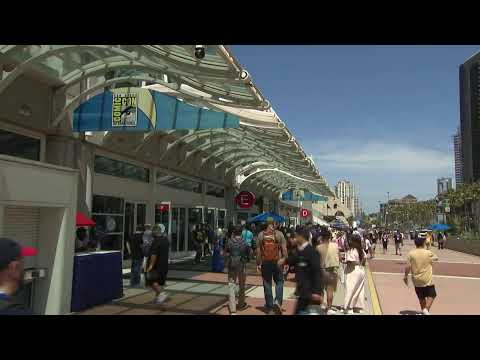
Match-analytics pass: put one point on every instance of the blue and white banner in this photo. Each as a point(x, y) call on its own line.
point(137, 109)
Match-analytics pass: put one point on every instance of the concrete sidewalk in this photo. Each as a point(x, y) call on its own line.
point(456, 278)
point(204, 293)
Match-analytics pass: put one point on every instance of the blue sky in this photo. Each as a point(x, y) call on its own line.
point(380, 116)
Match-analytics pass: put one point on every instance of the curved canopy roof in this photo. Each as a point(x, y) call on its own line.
point(262, 151)
point(218, 76)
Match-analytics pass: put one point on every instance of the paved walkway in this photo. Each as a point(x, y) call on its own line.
point(204, 293)
point(456, 278)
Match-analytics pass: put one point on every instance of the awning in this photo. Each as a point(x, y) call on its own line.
point(83, 220)
point(263, 217)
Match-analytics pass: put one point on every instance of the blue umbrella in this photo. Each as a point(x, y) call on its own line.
point(263, 217)
point(439, 227)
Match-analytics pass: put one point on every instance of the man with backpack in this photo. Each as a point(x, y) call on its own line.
point(11, 275)
point(236, 253)
point(271, 252)
point(247, 237)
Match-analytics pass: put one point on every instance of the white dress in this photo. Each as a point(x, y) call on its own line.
point(355, 282)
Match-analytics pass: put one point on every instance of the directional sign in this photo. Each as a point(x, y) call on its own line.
point(305, 213)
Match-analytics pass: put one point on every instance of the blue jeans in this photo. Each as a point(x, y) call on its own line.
point(135, 275)
point(269, 271)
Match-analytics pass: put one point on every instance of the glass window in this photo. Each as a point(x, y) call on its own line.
point(108, 214)
point(13, 144)
point(178, 182)
point(104, 165)
point(221, 218)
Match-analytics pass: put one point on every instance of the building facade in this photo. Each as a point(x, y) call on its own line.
point(457, 150)
point(444, 184)
point(470, 118)
point(179, 176)
point(348, 195)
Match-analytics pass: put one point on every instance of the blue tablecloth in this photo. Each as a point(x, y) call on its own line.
point(97, 279)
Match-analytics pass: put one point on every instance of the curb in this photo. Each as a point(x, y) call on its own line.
point(377, 309)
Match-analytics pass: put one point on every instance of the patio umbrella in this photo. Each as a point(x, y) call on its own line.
point(263, 217)
point(439, 227)
point(83, 220)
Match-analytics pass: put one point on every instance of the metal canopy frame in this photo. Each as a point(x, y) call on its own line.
point(262, 151)
point(218, 75)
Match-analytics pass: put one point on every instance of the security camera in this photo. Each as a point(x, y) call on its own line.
point(245, 76)
point(200, 51)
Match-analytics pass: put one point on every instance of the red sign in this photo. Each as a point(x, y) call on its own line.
point(163, 207)
point(245, 199)
point(304, 213)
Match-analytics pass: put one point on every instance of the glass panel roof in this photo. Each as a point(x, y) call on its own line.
point(217, 74)
point(206, 82)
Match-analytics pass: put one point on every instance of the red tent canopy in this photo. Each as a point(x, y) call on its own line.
point(82, 220)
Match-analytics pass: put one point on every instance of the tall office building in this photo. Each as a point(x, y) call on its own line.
point(443, 185)
point(345, 191)
point(457, 149)
point(470, 118)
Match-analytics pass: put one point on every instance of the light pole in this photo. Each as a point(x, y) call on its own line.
point(386, 208)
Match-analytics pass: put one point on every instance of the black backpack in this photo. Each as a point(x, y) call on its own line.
point(238, 253)
point(11, 308)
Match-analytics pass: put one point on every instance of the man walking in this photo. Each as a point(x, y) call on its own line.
point(398, 243)
point(307, 272)
point(419, 263)
point(136, 256)
point(236, 253)
point(11, 275)
point(158, 264)
point(271, 249)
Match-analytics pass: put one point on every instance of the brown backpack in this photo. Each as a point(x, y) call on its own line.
point(270, 247)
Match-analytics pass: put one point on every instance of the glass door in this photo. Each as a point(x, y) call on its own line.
point(210, 218)
point(141, 215)
point(178, 229)
point(128, 228)
point(182, 229)
point(195, 217)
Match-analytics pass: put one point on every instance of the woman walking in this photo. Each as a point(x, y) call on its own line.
point(355, 276)
point(329, 263)
point(385, 242)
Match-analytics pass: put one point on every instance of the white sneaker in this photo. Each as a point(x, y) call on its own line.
point(331, 312)
point(348, 312)
point(161, 298)
point(233, 313)
point(425, 312)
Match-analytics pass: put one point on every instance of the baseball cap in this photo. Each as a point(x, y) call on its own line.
point(10, 250)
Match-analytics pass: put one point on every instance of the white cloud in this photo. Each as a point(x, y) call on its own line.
point(400, 169)
point(376, 156)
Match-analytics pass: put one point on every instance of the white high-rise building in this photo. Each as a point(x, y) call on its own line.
point(345, 191)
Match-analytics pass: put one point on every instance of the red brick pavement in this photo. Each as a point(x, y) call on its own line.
point(439, 268)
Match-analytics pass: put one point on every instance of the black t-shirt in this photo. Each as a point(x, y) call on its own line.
point(160, 248)
point(307, 271)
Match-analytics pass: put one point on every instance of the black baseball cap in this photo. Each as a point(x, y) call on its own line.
point(10, 250)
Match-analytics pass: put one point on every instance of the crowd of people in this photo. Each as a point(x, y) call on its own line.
point(317, 256)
